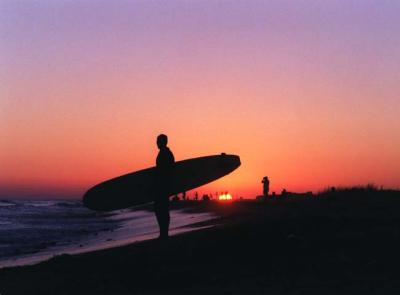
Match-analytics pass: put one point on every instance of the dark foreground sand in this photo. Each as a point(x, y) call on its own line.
point(340, 243)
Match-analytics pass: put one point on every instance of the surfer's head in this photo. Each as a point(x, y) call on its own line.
point(162, 141)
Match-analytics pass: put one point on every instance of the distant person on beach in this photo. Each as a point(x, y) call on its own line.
point(284, 193)
point(164, 163)
point(265, 183)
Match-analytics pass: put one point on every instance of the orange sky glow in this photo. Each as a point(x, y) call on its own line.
point(308, 95)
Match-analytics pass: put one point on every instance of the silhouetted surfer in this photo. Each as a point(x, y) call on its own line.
point(165, 162)
point(265, 181)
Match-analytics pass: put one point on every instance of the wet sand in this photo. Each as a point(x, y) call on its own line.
point(333, 244)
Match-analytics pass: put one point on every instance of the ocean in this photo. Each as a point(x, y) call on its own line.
point(32, 231)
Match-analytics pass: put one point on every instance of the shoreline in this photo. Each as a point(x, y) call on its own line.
point(324, 246)
point(111, 238)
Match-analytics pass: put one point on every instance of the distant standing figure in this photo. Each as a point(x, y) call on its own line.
point(265, 181)
point(164, 163)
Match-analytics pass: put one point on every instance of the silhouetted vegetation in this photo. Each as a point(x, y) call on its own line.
point(361, 189)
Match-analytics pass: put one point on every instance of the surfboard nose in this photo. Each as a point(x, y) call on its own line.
point(236, 161)
point(230, 162)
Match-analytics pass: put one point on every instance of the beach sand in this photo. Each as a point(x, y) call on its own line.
point(326, 245)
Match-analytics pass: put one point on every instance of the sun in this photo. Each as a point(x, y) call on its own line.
point(225, 197)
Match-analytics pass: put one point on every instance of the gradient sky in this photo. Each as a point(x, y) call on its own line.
point(306, 92)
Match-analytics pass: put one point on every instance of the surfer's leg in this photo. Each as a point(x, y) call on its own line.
point(167, 217)
point(161, 209)
point(164, 217)
point(158, 212)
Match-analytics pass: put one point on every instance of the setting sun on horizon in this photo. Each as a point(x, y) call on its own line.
point(225, 197)
point(306, 93)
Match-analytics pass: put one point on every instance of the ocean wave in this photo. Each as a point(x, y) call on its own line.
point(5, 222)
point(6, 203)
point(70, 204)
point(40, 204)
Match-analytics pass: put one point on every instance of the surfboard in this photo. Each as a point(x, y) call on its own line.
point(138, 187)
